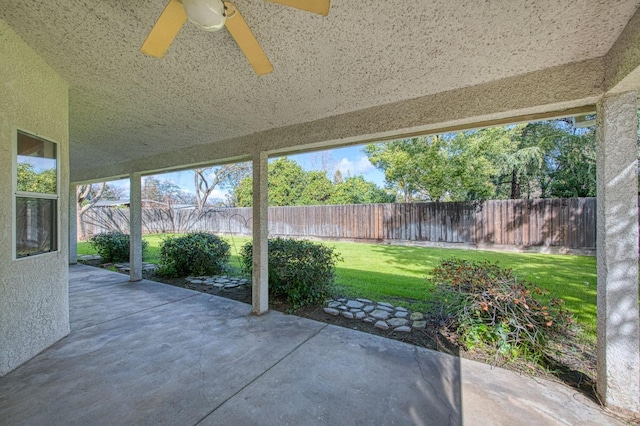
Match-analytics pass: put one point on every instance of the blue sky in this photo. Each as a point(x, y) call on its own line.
point(350, 161)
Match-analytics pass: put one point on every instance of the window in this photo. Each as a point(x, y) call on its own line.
point(36, 197)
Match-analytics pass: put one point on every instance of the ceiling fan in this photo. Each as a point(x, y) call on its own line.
point(213, 15)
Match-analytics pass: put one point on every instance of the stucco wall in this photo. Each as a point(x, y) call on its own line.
point(34, 308)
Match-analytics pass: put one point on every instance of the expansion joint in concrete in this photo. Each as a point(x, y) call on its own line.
point(435, 390)
point(311, 336)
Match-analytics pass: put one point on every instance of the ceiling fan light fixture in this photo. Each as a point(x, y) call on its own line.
point(208, 15)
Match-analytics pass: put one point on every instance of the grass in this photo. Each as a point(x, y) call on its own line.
point(389, 273)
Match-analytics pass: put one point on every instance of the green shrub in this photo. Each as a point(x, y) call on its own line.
point(491, 308)
point(300, 271)
point(198, 253)
point(114, 246)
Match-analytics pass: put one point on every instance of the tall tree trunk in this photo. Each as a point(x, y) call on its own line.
point(83, 192)
point(515, 185)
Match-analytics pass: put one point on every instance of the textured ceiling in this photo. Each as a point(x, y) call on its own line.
point(125, 106)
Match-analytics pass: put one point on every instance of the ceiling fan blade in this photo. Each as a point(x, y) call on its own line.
point(321, 7)
point(165, 30)
point(247, 42)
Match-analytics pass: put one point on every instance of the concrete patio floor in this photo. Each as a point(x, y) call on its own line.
point(149, 353)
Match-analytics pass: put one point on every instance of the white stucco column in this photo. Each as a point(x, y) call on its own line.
point(260, 289)
point(135, 227)
point(73, 225)
point(617, 251)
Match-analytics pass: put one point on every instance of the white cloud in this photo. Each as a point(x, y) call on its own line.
point(358, 167)
point(218, 194)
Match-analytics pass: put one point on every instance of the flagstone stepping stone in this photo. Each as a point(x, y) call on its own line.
point(332, 311)
point(380, 314)
point(397, 322)
point(385, 308)
point(420, 325)
point(89, 257)
point(381, 325)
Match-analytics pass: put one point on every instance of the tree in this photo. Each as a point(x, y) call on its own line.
point(447, 167)
point(206, 180)
point(290, 185)
point(397, 160)
point(356, 190)
point(287, 182)
point(30, 180)
point(337, 177)
point(539, 159)
point(112, 192)
point(86, 197)
point(163, 192)
point(574, 171)
point(243, 194)
point(317, 189)
point(548, 159)
point(469, 167)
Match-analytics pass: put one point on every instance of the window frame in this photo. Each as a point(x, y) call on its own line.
point(15, 194)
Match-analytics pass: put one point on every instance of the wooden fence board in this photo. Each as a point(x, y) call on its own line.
point(523, 223)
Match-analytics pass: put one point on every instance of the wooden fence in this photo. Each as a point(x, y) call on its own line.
point(551, 225)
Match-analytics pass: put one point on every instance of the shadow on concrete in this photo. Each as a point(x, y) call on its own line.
point(173, 356)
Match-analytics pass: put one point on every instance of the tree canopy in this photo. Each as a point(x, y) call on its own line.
point(30, 180)
point(228, 176)
point(290, 185)
point(541, 159)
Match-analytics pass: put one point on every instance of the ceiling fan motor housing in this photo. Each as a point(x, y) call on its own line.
point(208, 15)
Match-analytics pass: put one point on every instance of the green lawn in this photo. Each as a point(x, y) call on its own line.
point(388, 273)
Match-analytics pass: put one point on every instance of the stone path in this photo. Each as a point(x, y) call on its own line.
point(220, 281)
point(120, 267)
point(382, 315)
point(124, 267)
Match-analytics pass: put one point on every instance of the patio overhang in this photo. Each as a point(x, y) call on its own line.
point(369, 71)
point(350, 78)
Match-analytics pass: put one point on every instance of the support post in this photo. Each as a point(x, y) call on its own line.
point(260, 278)
point(618, 382)
point(135, 227)
point(73, 225)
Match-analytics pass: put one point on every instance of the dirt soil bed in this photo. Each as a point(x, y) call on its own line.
point(572, 365)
